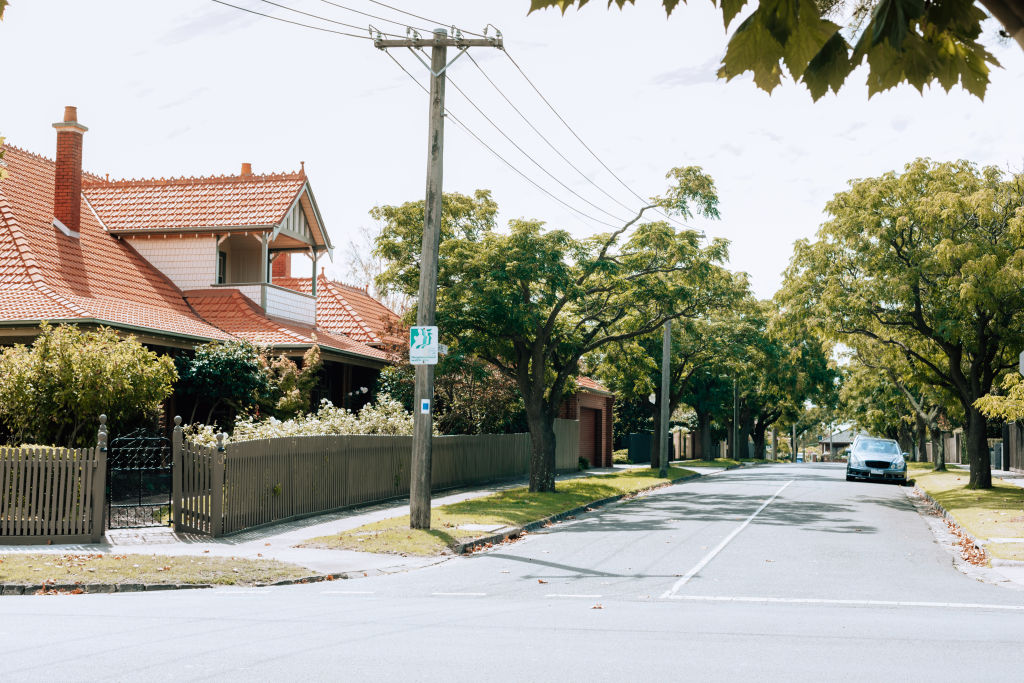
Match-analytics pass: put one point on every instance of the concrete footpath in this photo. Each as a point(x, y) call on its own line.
point(277, 541)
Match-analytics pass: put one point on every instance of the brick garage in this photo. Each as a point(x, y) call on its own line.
point(592, 407)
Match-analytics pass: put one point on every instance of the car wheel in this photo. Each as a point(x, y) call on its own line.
point(849, 478)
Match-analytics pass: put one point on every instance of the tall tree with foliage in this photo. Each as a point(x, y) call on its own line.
point(902, 41)
point(532, 302)
point(632, 368)
point(929, 262)
point(54, 391)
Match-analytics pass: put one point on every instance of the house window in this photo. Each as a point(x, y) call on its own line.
point(222, 267)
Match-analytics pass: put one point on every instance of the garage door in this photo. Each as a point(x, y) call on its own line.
point(590, 421)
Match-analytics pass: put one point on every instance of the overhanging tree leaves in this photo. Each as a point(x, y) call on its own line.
point(929, 262)
point(533, 302)
point(903, 41)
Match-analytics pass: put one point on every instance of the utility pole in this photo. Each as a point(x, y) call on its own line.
point(666, 344)
point(423, 423)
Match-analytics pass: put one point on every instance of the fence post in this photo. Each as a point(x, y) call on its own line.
point(217, 489)
point(99, 483)
point(177, 455)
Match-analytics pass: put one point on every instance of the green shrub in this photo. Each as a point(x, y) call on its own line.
point(54, 391)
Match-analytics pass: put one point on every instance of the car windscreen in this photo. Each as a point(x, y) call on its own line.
point(877, 447)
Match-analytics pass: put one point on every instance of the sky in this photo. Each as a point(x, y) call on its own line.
point(192, 87)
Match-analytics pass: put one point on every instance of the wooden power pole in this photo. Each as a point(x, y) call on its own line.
point(419, 483)
point(666, 351)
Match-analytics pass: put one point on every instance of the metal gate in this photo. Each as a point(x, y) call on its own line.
point(139, 481)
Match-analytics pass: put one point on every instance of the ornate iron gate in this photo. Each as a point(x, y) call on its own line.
point(139, 481)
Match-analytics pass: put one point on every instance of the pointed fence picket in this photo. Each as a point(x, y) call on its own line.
point(222, 490)
point(52, 495)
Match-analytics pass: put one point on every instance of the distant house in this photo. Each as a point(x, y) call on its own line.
point(838, 441)
point(175, 261)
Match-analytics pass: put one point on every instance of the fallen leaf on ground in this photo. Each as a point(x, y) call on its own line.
point(541, 581)
point(597, 606)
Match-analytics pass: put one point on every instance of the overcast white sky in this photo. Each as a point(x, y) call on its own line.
point(194, 88)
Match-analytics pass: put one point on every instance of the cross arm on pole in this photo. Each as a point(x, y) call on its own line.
point(383, 44)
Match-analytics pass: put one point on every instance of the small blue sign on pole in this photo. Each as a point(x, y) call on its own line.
point(425, 406)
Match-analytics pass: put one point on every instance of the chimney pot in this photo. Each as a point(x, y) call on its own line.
point(70, 114)
point(246, 168)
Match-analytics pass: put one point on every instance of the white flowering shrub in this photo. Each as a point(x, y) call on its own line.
point(386, 416)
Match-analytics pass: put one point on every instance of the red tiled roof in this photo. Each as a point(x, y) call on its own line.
point(182, 203)
point(589, 384)
point(234, 312)
point(348, 310)
point(46, 275)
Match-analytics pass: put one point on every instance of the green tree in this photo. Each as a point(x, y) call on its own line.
point(929, 262)
point(532, 302)
point(632, 368)
point(470, 395)
point(903, 41)
point(53, 390)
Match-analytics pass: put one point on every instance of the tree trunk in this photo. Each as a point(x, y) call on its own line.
point(920, 438)
point(542, 449)
point(759, 451)
point(775, 443)
point(905, 438)
point(703, 444)
point(938, 449)
point(743, 437)
point(977, 451)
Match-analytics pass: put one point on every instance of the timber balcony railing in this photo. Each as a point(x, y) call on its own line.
point(278, 301)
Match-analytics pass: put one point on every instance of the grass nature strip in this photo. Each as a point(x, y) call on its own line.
point(511, 508)
point(985, 513)
point(717, 462)
point(98, 568)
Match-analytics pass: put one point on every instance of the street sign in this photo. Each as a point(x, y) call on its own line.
point(1022, 362)
point(425, 406)
point(423, 345)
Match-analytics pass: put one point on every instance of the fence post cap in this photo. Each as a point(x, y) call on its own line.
point(177, 420)
point(220, 440)
point(103, 419)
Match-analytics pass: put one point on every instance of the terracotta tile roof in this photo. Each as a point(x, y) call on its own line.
point(183, 203)
point(349, 310)
point(592, 385)
point(46, 275)
point(234, 312)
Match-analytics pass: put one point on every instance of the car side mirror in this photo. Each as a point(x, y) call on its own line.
point(906, 455)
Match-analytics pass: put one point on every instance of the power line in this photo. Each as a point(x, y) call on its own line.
point(586, 146)
point(542, 137)
point(527, 155)
point(289, 21)
point(490, 149)
point(317, 16)
point(432, 21)
point(374, 16)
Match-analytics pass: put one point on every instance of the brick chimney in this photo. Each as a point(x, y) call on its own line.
point(67, 186)
point(282, 267)
point(246, 168)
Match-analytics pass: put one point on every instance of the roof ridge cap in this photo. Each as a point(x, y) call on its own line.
point(195, 180)
point(44, 158)
point(21, 243)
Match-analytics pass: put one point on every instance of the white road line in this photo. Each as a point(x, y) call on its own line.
point(710, 556)
point(570, 595)
point(461, 594)
point(854, 603)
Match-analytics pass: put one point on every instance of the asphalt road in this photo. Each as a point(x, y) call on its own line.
point(785, 572)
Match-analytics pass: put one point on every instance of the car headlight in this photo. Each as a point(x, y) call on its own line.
point(898, 465)
point(856, 461)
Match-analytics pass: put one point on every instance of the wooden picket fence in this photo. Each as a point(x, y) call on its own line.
point(247, 484)
point(52, 495)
